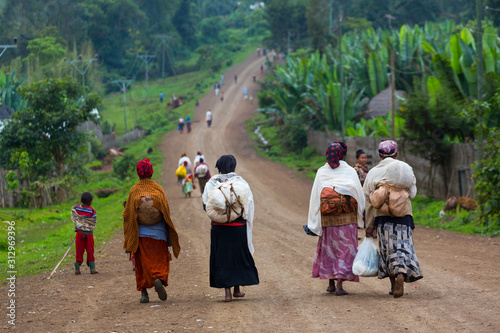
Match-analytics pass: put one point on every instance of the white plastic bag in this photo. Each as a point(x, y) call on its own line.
point(366, 261)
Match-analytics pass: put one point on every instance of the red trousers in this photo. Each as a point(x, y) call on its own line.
point(84, 242)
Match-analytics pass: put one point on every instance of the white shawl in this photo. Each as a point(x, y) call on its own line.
point(344, 179)
point(248, 212)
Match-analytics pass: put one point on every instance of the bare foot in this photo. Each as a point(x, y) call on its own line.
point(238, 292)
point(228, 297)
point(341, 292)
point(331, 287)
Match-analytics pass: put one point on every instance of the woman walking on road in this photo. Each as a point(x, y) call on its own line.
point(231, 261)
point(148, 237)
point(335, 209)
point(398, 260)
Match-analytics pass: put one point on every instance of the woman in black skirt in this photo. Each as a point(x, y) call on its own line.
point(231, 261)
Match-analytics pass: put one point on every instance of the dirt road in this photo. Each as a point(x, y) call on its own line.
point(459, 293)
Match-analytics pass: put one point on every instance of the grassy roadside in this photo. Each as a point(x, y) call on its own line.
point(425, 210)
point(42, 236)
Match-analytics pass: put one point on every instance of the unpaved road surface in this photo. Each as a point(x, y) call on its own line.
point(460, 291)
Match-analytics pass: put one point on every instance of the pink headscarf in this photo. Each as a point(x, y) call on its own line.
point(388, 148)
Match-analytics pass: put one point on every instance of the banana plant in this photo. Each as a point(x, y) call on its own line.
point(8, 91)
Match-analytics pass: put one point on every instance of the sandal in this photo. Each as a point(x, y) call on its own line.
point(160, 289)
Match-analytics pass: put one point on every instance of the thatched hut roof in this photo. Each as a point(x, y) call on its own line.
point(5, 112)
point(380, 105)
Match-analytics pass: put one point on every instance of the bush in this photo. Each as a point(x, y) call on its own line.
point(124, 166)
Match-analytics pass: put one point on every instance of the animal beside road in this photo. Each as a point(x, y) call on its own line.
point(463, 202)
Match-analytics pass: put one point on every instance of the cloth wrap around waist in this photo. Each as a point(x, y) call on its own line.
point(146, 188)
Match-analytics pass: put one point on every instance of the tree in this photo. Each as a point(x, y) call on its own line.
point(285, 19)
point(46, 128)
point(318, 27)
point(185, 24)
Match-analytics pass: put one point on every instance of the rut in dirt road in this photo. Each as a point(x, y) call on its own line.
point(459, 291)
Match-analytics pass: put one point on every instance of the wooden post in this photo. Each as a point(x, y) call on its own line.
point(393, 101)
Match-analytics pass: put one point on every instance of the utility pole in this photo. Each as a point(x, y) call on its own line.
point(85, 64)
point(342, 116)
point(5, 47)
point(393, 90)
point(124, 84)
point(479, 48)
point(147, 59)
point(164, 39)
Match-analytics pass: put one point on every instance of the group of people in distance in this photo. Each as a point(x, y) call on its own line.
point(339, 205)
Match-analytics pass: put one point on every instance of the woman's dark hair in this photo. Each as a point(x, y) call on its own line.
point(226, 164)
point(86, 198)
point(359, 152)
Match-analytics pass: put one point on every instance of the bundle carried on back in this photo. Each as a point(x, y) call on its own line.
point(391, 196)
point(226, 201)
point(83, 223)
point(147, 214)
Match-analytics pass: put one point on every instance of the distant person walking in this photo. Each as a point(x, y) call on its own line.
point(251, 99)
point(208, 118)
point(216, 87)
point(222, 96)
point(258, 52)
point(202, 172)
point(222, 79)
point(161, 97)
point(235, 78)
point(188, 124)
point(180, 125)
point(245, 93)
point(261, 69)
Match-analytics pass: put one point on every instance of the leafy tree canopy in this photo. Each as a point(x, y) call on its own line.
point(47, 128)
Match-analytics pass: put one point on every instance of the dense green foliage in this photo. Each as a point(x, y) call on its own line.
point(487, 169)
point(47, 127)
point(52, 33)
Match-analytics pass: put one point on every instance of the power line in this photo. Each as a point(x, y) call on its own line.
point(124, 84)
point(5, 47)
point(84, 67)
point(147, 58)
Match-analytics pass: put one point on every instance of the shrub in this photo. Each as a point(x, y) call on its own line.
point(124, 166)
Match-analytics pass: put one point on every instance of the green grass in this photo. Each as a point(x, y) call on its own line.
point(425, 210)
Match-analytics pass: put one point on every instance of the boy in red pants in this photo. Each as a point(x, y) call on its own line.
point(84, 218)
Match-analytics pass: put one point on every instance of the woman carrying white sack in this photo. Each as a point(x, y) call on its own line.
point(335, 212)
point(231, 249)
